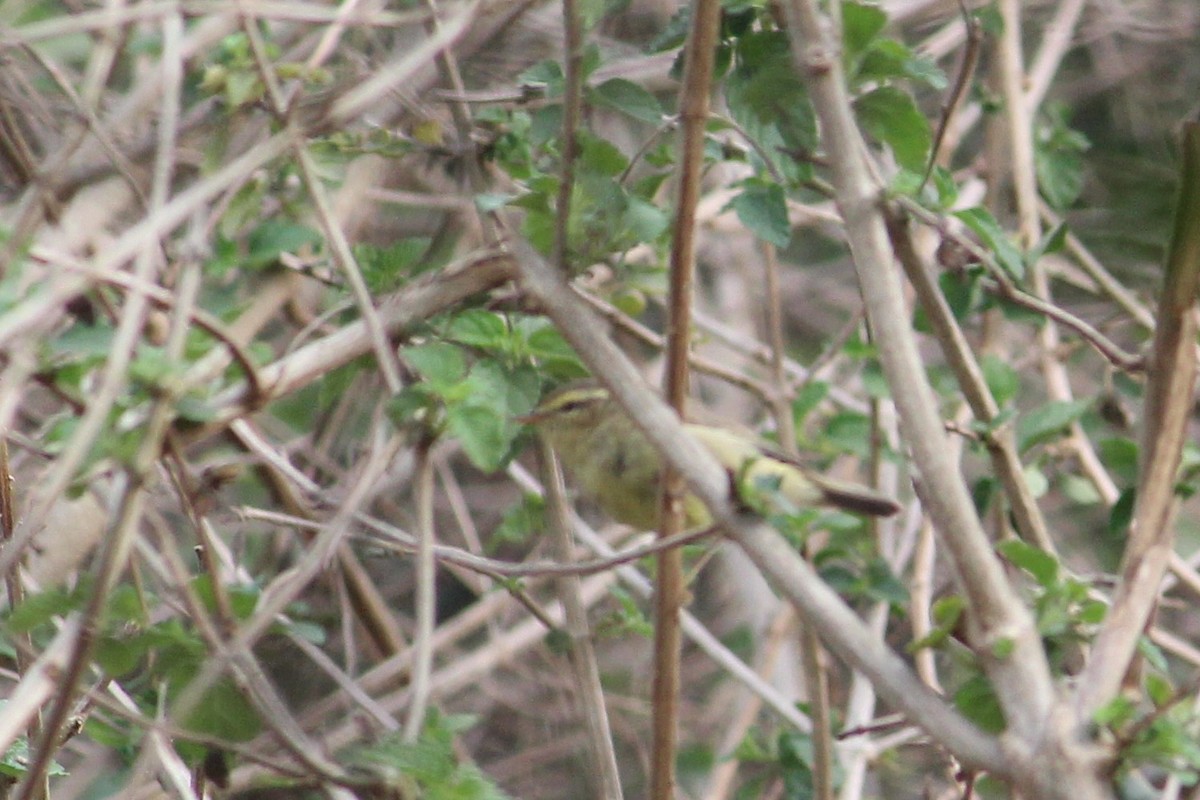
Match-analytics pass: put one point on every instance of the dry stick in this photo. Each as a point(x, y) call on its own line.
point(840, 627)
point(721, 783)
point(861, 698)
point(424, 297)
point(1024, 175)
point(144, 13)
point(582, 654)
point(1056, 41)
point(699, 56)
point(164, 220)
point(1001, 442)
point(1167, 408)
point(695, 630)
point(119, 543)
point(1002, 285)
point(372, 608)
point(589, 691)
point(23, 641)
point(816, 676)
point(343, 256)
point(237, 658)
point(426, 591)
point(958, 92)
point(1018, 669)
point(1097, 272)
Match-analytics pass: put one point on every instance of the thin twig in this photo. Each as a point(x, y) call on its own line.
point(426, 594)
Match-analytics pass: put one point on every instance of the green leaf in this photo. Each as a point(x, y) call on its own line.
point(385, 269)
point(994, 238)
point(762, 208)
point(478, 327)
point(1092, 612)
point(16, 760)
point(646, 221)
point(484, 434)
point(807, 399)
point(1037, 562)
point(891, 116)
point(1159, 689)
point(1036, 480)
point(977, 701)
point(274, 237)
point(795, 757)
point(963, 291)
point(882, 584)
point(1120, 516)
point(1116, 712)
point(1051, 242)
point(601, 157)
point(40, 608)
point(1120, 455)
point(850, 432)
point(861, 24)
point(1048, 421)
point(1002, 380)
point(888, 59)
point(767, 97)
point(628, 98)
point(441, 363)
point(1058, 157)
point(1081, 491)
point(520, 522)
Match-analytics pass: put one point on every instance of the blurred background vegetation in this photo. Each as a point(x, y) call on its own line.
point(257, 339)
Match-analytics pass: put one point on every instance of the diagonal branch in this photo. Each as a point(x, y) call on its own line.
point(1169, 391)
point(847, 636)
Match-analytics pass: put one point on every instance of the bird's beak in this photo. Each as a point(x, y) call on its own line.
point(532, 418)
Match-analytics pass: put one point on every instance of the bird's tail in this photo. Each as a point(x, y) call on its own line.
point(855, 497)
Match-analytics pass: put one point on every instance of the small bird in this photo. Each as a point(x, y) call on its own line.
point(614, 463)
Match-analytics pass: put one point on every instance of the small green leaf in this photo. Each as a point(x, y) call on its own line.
point(1036, 480)
point(888, 59)
point(601, 157)
point(646, 221)
point(850, 432)
point(892, 117)
point(1120, 516)
point(861, 24)
point(628, 98)
point(994, 238)
point(1048, 421)
point(1120, 455)
point(274, 237)
point(1051, 242)
point(1080, 490)
point(1038, 563)
point(978, 702)
point(485, 435)
point(520, 522)
point(1116, 712)
point(807, 400)
point(1159, 689)
point(1003, 648)
point(441, 363)
point(1092, 612)
point(762, 208)
point(478, 327)
point(1000, 377)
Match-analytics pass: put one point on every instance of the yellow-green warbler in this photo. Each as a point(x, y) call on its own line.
point(613, 463)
